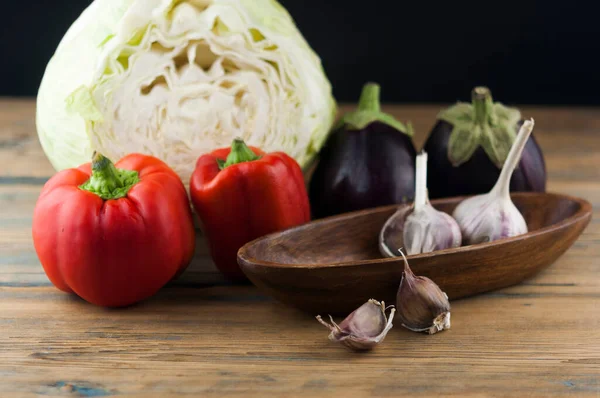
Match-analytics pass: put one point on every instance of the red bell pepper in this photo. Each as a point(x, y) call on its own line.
point(114, 235)
point(240, 194)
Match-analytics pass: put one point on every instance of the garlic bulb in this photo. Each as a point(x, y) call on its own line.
point(420, 228)
point(493, 216)
point(422, 305)
point(364, 328)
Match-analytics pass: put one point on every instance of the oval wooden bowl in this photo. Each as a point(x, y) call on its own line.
point(333, 265)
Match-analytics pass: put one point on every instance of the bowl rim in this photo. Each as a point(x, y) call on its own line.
point(245, 261)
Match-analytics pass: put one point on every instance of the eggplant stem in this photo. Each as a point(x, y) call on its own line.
point(369, 98)
point(482, 102)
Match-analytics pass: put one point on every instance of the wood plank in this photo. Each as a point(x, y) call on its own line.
point(238, 343)
point(203, 336)
point(561, 132)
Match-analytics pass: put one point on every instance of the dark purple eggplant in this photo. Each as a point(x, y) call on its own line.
point(367, 161)
point(469, 143)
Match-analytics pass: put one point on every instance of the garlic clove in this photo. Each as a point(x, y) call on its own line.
point(420, 228)
point(422, 305)
point(493, 216)
point(364, 328)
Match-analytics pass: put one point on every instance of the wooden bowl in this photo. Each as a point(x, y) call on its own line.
point(333, 265)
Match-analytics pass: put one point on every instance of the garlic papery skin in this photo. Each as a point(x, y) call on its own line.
point(429, 230)
point(420, 228)
point(493, 216)
point(422, 305)
point(364, 328)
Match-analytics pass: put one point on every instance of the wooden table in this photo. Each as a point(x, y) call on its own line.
point(205, 337)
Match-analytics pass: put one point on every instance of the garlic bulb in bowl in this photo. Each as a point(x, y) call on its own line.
point(419, 228)
point(493, 216)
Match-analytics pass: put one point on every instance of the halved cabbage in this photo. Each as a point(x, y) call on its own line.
point(179, 78)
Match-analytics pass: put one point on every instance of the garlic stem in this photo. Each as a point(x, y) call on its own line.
point(407, 270)
point(421, 181)
point(502, 187)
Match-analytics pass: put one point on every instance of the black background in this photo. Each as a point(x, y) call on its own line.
point(540, 52)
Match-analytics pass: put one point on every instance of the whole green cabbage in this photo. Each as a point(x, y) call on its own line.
point(179, 78)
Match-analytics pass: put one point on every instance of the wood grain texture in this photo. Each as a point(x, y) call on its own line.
point(204, 337)
point(334, 265)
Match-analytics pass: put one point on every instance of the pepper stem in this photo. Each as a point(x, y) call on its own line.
point(240, 152)
point(483, 103)
point(369, 98)
point(105, 173)
point(107, 181)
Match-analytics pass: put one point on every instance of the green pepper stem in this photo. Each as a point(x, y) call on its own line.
point(107, 181)
point(369, 98)
point(481, 98)
point(240, 152)
point(105, 176)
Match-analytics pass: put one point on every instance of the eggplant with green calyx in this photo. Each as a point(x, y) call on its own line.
point(367, 161)
point(469, 144)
